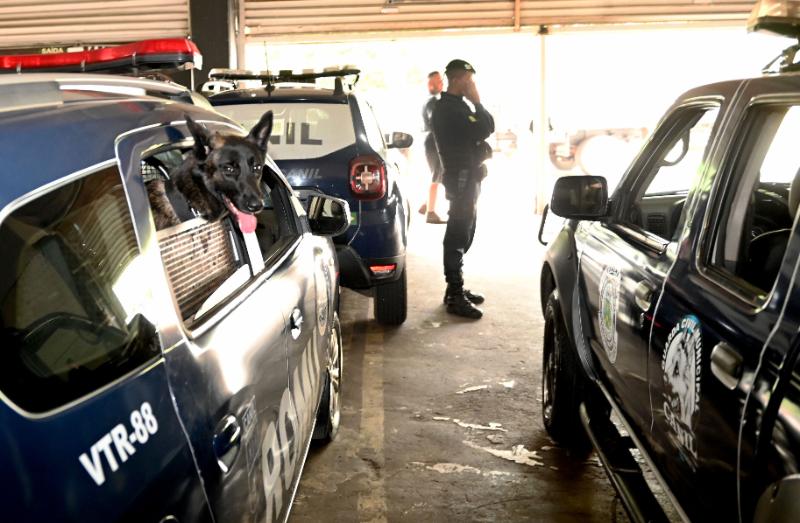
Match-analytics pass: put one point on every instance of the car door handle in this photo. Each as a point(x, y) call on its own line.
point(227, 441)
point(296, 323)
point(643, 295)
point(726, 365)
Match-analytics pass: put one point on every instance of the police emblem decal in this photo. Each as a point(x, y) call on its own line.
point(681, 367)
point(609, 306)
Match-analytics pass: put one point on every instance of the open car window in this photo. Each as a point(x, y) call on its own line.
point(660, 192)
point(208, 262)
point(758, 207)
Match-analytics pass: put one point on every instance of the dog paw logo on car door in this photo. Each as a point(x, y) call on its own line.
point(681, 366)
point(609, 306)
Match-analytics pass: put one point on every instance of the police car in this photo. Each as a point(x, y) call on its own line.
point(177, 374)
point(328, 141)
point(676, 303)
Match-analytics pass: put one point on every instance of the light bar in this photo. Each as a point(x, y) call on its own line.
point(780, 17)
point(169, 53)
point(307, 75)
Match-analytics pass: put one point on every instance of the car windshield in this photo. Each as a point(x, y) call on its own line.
point(301, 130)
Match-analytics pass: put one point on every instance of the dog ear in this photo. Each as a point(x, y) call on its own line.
point(201, 135)
point(261, 131)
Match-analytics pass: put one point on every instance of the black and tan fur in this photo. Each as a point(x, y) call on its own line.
point(219, 167)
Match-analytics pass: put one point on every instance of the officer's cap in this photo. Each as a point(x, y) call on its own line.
point(459, 65)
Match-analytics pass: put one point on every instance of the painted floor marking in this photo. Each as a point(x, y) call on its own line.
point(372, 500)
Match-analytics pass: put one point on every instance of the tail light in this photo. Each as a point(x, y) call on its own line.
point(383, 270)
point(368, 177)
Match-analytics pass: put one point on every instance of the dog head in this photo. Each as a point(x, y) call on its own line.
point(231, 166)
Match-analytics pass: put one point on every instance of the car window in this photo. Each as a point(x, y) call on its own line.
point(761, 201)
point(300, 130)
point(661, 189)
point(73, 296)
point(208, 262)
point(373, 130)
point(278, 224)
point(205, 260)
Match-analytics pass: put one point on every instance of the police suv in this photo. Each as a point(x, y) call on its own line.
point(170, 375)
point(676, 303)
point(328, 141)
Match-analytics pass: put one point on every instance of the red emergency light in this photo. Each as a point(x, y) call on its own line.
point(147, 55)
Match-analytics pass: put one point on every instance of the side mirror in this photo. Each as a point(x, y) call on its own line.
point(399, 140)
point(328, 216)
point(580, 197)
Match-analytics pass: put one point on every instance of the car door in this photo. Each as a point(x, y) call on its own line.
point(227, 359)
point(88, 427)
point(308, 280)
point(624, 259)
point(721, 332)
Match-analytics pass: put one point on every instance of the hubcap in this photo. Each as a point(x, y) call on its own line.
point(335, 375)
point(548, 381)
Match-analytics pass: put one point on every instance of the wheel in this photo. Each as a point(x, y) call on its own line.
point(330, 407)
point(563, 382)
point(391, 301)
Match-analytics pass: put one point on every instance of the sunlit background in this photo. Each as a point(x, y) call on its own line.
point(613, 85)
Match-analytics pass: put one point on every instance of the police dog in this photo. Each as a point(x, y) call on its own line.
point(221, 172)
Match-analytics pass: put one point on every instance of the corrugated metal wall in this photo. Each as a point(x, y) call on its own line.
point(32, 23)
point(264, 19)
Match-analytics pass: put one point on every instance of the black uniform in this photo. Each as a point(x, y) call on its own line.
point(431, 153)
point(460, 135)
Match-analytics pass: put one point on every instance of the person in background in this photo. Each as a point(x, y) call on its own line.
point(435, 86)
point(460, 135)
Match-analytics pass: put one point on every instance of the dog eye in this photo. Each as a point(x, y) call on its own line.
point(229, 169)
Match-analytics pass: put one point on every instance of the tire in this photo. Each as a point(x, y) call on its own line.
point(330, 406)
point(564, 384)
point(391, 301)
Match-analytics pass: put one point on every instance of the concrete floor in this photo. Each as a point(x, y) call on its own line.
point(442, 416)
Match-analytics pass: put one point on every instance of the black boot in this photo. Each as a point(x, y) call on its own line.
point(458, 304)
point(474, 297)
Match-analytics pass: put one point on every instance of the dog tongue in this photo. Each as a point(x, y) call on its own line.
point(247, 222)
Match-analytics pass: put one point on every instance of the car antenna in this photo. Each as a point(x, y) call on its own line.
point(270, 85)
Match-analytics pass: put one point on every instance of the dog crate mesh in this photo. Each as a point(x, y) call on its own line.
point(198, 257)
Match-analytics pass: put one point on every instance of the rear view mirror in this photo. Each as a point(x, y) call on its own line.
point(328, 216)
point(399, 140)
point(580, 197)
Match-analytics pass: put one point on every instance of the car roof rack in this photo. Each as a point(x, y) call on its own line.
point(270, 79)
point(136, 58)
point(33, 90)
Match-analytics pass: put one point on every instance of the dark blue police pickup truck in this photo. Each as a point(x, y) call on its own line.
point(154, 375)
point(328, 141)
point(676, 303)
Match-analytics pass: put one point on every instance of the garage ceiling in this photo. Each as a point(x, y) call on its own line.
point(265, 19)
point(31, 23)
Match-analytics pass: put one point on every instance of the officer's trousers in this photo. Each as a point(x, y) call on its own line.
point(460, 231)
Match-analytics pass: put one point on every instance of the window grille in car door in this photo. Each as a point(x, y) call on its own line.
point(657, 224)
point(199, 256)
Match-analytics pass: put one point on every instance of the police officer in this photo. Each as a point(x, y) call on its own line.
point(460, 135)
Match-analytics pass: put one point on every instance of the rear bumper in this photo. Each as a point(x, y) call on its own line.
point(355, 273)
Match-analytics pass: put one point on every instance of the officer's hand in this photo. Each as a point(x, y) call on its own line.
point(472, 93)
